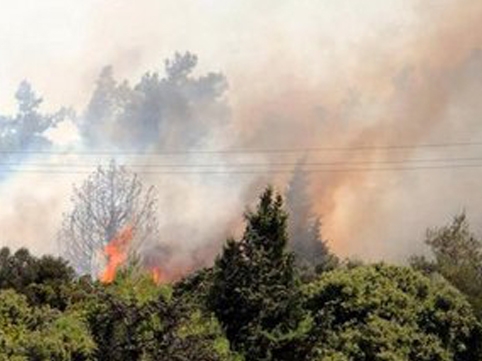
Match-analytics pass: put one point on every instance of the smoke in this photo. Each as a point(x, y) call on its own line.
point(423, 92)
point(173, 111)
point(417, 81)
point(25, 220)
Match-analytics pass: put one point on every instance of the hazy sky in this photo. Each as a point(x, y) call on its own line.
point(375, 71)
point(50, 41)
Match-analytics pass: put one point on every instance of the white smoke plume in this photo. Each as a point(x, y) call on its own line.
point(413, 80)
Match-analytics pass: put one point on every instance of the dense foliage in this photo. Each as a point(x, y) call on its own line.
point(41, 333)
point(384, 312)
point(255, 291)
point(457, 256)
point(251, 305)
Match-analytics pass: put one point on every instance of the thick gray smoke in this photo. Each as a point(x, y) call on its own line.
point(170, 111)
point(418, 84)
point(141, 125)
point(425, 92)
point(26, 130)
point(27, 196)
point(138, 125)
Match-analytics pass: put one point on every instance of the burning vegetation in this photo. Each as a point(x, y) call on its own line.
point(113, 201)
point(117, 252)
point(119, 255)
point(250, 305)
point(364, 153)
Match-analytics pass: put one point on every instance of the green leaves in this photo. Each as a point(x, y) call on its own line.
point(458, 258)
point(44, 281)
point(56, 317)
point(389, 313)
point(250, 306)
point(41, 333)
point(255, 292)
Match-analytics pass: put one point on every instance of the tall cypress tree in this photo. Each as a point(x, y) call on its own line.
point(311, 250)
point(255, 292)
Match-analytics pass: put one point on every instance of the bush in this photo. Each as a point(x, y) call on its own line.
point(382, 312)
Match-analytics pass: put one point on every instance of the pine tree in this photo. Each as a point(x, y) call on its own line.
point(311, 250)
point(255, 292)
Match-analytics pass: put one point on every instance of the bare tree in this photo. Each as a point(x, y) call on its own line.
point(110, 200)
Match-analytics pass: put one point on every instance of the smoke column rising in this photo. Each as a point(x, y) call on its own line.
point(412, 94)
point(414, 79)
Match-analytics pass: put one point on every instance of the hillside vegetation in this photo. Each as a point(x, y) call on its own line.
point(254, 303)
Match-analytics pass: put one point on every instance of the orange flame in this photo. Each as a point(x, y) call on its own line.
point(157, 275)
point(116, 251)
point(162, 275)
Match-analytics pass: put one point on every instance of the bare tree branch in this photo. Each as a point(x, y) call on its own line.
point(109, 200)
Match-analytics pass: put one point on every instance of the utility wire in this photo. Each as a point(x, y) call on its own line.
point(267, 171)
point(244, 165)
point(253, 168)
point(247, 150)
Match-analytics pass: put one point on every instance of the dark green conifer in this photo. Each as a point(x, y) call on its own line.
point(255, 292)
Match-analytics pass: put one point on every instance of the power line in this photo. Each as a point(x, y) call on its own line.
point(247, 150)
point(243, 165)
point(267, 171)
